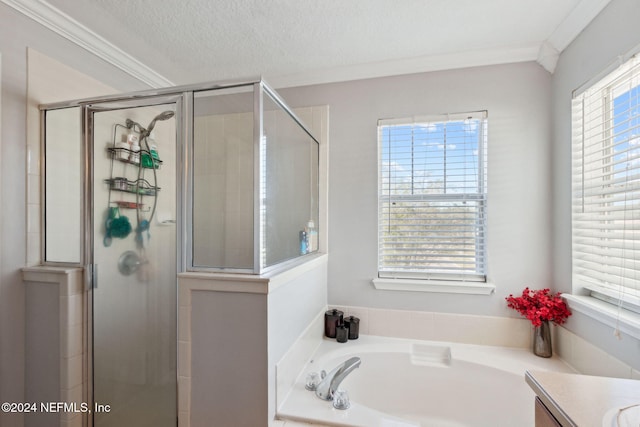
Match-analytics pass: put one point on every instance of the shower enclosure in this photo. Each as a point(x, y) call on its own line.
point(139, 187)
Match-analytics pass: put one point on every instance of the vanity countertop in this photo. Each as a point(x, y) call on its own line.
point(582, 400)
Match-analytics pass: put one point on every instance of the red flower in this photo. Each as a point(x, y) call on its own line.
point(540, 305)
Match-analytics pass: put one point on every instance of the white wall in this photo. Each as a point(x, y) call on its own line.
point(610, 34)
point(517, 98)
point(16, 34)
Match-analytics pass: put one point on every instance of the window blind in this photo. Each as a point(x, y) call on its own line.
point(432, 197)
point(606, 186)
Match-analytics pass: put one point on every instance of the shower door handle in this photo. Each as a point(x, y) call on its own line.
point(90, 276)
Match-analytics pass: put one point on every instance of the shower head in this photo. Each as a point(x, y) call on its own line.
point(165, 115)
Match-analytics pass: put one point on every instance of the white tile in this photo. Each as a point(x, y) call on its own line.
point(590, 360)
point(294, 360)
point(33, 218)
point(184, 293)
point(562, 344)
point(614, 367)
point(421, 326)
point(71, 395)
point(33, 159)
point(184, 394)
point(71, 310)
point(76, 421)
point(71, 341)
point(71, 372)
point(184, 419)
point(390, 323)
point(33, 249)
point(460, 328)
point(33, 189)
point(506, 332)
point(72, 283)
point(184, 323)
point(184, 358)
point(361, 313)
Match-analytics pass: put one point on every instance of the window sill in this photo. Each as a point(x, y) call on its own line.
point(626, 321)
point(442, 286)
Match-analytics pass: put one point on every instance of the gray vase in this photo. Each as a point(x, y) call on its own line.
point(542, 340)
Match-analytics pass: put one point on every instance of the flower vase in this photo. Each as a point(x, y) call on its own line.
point(542, 340)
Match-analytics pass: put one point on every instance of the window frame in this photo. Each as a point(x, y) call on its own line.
point(615, 305)
point(456, 282)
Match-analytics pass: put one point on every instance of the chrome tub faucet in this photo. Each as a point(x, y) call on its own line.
point(331, 381)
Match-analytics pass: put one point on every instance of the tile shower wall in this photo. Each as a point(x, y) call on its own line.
point(224, 182)
point(223, 187)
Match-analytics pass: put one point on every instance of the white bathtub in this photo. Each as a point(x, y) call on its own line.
point(402, 383)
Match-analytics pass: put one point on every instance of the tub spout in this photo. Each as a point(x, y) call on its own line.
point(332, 380)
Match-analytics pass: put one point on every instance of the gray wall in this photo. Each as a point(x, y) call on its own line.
point(16, 34)
point(517, 97)
point(237, 339)
point(612, 33)
point(529, 182)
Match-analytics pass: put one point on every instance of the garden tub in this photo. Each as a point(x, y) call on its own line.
point(410, 383)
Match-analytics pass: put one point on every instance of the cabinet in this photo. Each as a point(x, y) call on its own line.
point(544, 418)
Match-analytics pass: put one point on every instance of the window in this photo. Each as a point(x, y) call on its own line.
point(606, 187)
point(432, 197)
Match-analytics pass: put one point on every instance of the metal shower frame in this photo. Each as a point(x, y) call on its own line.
point(183, 97)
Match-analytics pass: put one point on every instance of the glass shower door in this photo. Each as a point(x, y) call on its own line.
point(135, 269)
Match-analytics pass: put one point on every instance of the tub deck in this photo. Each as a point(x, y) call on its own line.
point(412, 383)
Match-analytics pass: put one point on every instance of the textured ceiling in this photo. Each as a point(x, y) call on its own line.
point(311, 41)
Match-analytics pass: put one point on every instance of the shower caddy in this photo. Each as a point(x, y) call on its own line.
point(138, 186)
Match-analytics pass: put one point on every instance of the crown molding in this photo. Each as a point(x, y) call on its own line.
point(72, 30)
point(403, 66)
point(575, 22)
point(546, 53)
point(548, 57)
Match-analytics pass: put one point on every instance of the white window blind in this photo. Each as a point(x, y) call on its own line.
point(432, 197)
point(606, 186)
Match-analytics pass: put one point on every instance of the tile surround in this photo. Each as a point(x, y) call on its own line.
point(422, 325)
point(295, 359)
point(583, 356)
point(71, 327)
point(580, 354)
point(589, 359)
point(482, 330)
